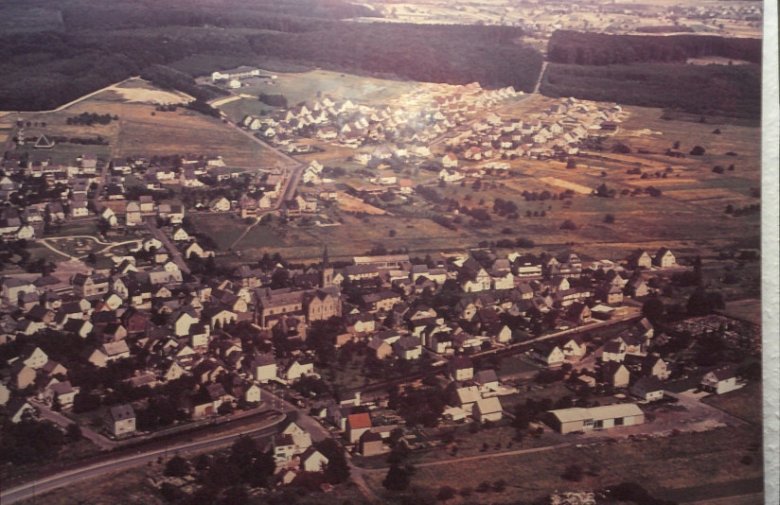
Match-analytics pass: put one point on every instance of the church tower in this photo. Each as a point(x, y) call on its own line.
point(326, 276)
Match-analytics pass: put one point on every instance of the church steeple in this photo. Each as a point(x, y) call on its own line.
point(326, 275)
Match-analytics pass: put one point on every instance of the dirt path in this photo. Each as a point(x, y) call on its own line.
point(539, 80)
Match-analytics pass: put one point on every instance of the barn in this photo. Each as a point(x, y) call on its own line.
point(596, 418)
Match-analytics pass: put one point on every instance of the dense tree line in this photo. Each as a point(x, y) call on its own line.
point(733, 91)
point(452, 54)
point(169, 78)
point(273, 100)
point(91, 118)
point(105, 44)
point(587, 48)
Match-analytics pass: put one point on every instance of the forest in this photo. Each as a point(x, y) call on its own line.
point(582, 48)
point(102, 44)
point(733, 91)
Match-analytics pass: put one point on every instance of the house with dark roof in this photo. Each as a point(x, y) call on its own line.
point(721, 380)
point(648, 389)
point(120, 420)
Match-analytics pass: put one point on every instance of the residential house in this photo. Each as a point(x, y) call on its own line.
point(721, 381)
point(549, 354)
point(408, 348)
point(357, 424)
point(263, 368)
point(614, 350)
point(664, 258)
point(313, 460)
point(19, 409)
point(461, 368)
point(648, 389)
point(488, 409)
point(487, 380)
point(574, 349)
point(371, 444)
point(120, 420)
point(615, 374)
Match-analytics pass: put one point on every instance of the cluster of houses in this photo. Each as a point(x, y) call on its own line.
point(223, 333)
point(415, 118)
point(559, 130)
point(61, 192)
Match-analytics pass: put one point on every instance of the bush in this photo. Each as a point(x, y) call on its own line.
point(177, 467)
point(445, 493)
point(171, 493)
point(609, 219)
point(697, 151)
point(573, 473)
point(273, 100)
point(568, 225)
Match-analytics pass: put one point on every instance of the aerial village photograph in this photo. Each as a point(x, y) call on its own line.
point(405, 252)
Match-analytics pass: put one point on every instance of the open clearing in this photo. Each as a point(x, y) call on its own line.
point(577, 188)
point(350, 203)
point(139, 91)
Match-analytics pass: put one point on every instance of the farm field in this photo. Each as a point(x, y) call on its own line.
point(662, 466)
point(693, 197)
point(744, 403)
point(748, 310)
point(143, 131)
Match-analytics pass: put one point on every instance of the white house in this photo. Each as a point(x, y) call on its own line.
point(264, 368)
point(720, 381)
point(488, 409)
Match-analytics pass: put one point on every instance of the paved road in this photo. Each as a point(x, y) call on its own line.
point(632, 315)
point(113, 465)
point(60, 420)
point(292, 177)
point(176, 256)
point(318, 432)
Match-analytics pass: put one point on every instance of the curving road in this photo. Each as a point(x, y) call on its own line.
point(102, 468)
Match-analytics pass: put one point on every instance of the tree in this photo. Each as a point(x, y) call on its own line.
point(573, 473)
point(73, 432)
point(697, 151)
point(702, 302)
point(30, 441)
point(653, 309)
point(171, 493)
point(176, 467)
point(568, 225)
point(445, 493)
point(337, 469)
point(609, 219)
point(397, 478)
point(235, 495)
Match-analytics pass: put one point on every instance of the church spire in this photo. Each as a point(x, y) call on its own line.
point(326, 273)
